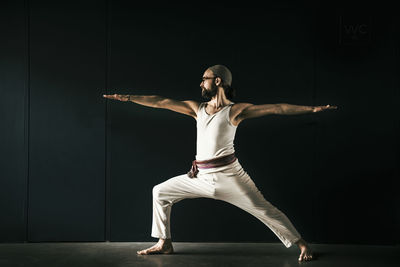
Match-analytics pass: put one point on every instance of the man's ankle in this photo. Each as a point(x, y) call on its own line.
point(300, 242)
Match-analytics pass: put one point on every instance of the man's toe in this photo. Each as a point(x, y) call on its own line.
point(309, 257)
point(141, 252)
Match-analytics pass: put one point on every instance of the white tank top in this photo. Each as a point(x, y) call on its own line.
point(215, 133)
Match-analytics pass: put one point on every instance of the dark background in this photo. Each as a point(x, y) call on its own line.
point(77, 167)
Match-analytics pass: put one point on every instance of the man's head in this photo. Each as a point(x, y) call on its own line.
point(214, 77)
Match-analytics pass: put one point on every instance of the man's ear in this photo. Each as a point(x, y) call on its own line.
point(218, 81)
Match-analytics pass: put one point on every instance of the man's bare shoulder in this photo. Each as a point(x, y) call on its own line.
point(236, 110)
point(239, 107)
point(194, 105)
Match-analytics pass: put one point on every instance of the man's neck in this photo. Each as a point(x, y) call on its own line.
point(219, 100)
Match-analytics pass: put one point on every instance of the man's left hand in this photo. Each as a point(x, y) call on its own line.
point(321, 108)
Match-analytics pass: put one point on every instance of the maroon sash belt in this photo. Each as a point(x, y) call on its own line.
point(211, 163)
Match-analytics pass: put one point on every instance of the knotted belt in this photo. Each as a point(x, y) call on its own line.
point(211, 163)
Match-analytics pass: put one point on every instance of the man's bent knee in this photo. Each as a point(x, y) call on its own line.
point(157, 191)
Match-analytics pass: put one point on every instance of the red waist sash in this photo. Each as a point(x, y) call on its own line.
point(211, 163)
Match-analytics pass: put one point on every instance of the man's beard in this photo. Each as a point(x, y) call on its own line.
point(208, 94)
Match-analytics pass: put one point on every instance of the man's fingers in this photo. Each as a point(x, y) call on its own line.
point(115, 96)
point(328, 107)
point(331, 107)
point(321, 108)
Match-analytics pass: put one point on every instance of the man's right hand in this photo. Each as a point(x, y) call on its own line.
point(117, 97)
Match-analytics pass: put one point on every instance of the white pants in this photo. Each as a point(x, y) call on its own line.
point(228, 183)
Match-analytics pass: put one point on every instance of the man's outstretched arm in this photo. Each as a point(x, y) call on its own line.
point(246, 111)
point(187, 107)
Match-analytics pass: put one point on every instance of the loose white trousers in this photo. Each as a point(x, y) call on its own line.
point(228, 183)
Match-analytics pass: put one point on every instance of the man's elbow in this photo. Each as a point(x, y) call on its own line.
point(280, 108)
point(161, 102)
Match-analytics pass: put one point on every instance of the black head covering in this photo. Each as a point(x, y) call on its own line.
point(223, 72)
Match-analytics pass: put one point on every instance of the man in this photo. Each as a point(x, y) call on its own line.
point(216, 173)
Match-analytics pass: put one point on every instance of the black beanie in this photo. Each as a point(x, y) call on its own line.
point(223, 72)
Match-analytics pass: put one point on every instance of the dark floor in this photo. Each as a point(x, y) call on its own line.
point(123, 254)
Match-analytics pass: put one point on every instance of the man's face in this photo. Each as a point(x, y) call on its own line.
point(208, 86)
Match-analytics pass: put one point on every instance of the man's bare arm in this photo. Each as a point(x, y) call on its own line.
point(288, 109)
point(187, 107)
point(246, 110)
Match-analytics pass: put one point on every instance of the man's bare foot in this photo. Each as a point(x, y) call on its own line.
point(305, 251)
point(163, 246)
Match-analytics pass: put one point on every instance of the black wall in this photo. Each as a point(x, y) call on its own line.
point(78, 167)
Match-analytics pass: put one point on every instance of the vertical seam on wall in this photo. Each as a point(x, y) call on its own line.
point(314, 93)
point(107, 217)
point(27, 115)
point(396, 52)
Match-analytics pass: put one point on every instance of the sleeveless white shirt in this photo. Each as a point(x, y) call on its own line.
point(215, 133)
